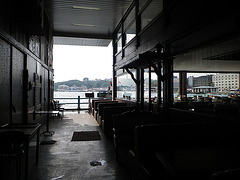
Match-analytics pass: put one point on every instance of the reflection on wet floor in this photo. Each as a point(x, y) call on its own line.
point(75, 160)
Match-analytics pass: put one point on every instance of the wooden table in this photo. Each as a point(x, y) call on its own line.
point(48, 113)
point(30, 130)
point(55, 113)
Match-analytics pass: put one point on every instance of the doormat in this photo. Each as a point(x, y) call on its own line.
point(86, 136)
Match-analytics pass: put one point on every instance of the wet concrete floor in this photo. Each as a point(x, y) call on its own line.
point(76, 160)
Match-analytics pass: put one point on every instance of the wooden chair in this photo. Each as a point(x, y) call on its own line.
point(57, 108)
point(11, 148)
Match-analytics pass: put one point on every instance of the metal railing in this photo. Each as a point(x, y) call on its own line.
point(78, 102)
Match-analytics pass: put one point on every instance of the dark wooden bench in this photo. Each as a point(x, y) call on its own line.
point(101, 106)
point(98, 102)
point(229, 174)
point(107, 119)
point(184, 150)
point(92, 104)
point(124, 125)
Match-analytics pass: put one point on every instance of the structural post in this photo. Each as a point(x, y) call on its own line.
point(138, 90)
point(159, 88)
point(183, 85)
point(141, 89)
point(149, 90)
point(168, 80)
point(78, 102)
point(114, 78)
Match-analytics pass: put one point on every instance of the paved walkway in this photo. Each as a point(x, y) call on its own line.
point(70, 160)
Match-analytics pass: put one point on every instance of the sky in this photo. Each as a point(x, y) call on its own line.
point(78, 62)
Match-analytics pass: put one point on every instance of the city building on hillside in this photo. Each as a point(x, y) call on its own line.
point(175, 84)
point(63, 87)
point(226, 82)
point(200, 81)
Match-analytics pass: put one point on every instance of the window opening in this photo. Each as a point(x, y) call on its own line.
point(151, 11)
point(79, 70)
point(130, 25)
point(126, 87)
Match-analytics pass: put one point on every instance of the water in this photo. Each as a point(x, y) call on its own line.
point(82, 95)
point(120, 95)
point(72, 95)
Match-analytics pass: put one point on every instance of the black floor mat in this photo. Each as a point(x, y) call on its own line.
point(86, 136)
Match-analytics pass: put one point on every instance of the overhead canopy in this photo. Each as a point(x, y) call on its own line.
point(91, 19)
point(59, 40)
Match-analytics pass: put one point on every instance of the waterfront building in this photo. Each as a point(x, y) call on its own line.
point(175, 84)
point(200, 81)
point(205, 89)
point(190, 81)
point(226, 82)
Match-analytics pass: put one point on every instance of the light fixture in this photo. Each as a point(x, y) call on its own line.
point(87, 8)
point(86, 25)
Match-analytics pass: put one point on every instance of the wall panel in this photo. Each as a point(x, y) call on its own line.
point(45, 87)
point(17, 85)
point(5, 59)
point(31, 67)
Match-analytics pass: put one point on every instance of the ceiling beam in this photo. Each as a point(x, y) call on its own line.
point(82, 35)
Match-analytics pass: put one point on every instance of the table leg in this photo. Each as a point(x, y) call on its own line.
point(47, 132)
point(37, 146)
point(47, 123)
point(26, 158)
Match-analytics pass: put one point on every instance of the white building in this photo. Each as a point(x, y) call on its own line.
point(226, 82)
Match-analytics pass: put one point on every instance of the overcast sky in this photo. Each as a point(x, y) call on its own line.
point(78, 62)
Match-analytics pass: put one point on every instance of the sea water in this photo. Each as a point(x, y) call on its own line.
point(75, 95)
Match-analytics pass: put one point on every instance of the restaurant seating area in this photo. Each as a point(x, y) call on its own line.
point(181, 156)
point(61, 158)
point(173, 144)
point(216, 105)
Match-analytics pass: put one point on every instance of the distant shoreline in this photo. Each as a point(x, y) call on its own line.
point(80, 90)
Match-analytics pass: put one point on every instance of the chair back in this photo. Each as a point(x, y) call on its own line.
point(53, 105)
point(11, 141)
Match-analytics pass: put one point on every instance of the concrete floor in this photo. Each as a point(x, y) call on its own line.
point(70, 160)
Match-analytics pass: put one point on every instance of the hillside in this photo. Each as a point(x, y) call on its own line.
point(82, 85)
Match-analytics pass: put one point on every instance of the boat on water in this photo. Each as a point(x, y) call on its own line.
point(104, 94)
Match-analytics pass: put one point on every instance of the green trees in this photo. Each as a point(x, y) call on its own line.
point(85, 83)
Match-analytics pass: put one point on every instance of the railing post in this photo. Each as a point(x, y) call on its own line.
point(78, 102)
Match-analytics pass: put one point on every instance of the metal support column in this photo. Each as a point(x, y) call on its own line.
point(78, 102)
point(149, 90)
point(183, 85)
point(168, 80)
point(159, 91)
point(141, 89)
point(114, 79)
